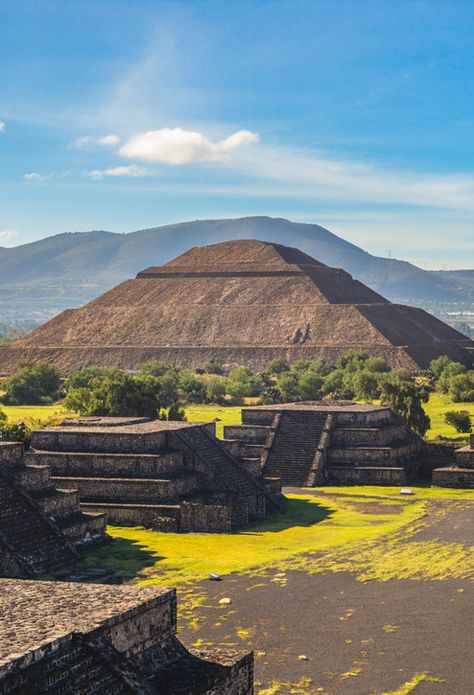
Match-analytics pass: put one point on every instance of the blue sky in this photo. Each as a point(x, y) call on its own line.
point(355, 115)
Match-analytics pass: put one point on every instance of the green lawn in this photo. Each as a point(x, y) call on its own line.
point(226, 415)
point(436, 408)
point(34, 414)
point(231, 415)
point(363, 529)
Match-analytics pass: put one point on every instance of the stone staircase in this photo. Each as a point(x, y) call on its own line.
point(310, 444)
point(129, 488)
point(40, 527)
point(28, 536)
point(73, 669)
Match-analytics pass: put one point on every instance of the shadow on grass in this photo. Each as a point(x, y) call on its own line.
point(294, 512)
point(122, 560)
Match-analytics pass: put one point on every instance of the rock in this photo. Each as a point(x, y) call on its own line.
point(225, 601)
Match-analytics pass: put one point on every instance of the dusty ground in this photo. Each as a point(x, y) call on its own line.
point(358, 637)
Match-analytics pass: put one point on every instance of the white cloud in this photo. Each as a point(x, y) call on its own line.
point(86, 141)
point(34, 176)
point(7, 234)
point(108, 140)
point(178, 146)
point(2, 126)
point(131, 170)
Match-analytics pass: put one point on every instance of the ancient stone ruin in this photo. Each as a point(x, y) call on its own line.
point(79, 638)
point(242, 302)
point(309, 444)
point(41, 528)
point(461, 474)
point(170, 476)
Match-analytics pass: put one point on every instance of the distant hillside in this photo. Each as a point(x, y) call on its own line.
point(46, 276)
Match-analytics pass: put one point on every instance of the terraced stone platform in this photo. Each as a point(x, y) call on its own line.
point(78, 639)
point(172, 476)
point(461, 474)
point(41, 527)
point(308, 444)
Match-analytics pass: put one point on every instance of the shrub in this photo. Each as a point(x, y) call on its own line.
point(214, 367)
point(461, 388)
point(176, 412)
point(119, 395)
point(216, 390)
point(366, 385)
point(277, 366)
point(20, 432)
point(32, 385)
point(459, 419)
point(192, 388)
point(405, 400)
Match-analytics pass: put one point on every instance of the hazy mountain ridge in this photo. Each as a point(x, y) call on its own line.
point(66, 270)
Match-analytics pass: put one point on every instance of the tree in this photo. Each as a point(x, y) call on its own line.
point(242, 383)
point(214, 367)
point(451, 370)
point(119, 395)
point(156, 368)
point(288, 386)
point(461, 388)
point(216, 390)
point(19, 432)
point(309, 386)
point(352, 360)
point(459, 419)
point(277, 366)
point(366, 385)
point(32, 385)
point(176, 413)
point(193, 389)
point(438, 365)
point(405, 400)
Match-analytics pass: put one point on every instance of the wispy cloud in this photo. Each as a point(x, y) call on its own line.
point(36, 176)
point(88, 141)
point(178, 146)
point(131, 170)
point(7, 234)
point(2, 126)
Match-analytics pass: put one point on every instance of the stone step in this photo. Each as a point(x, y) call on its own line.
point(250, 434)
point(368, 475)
point(160, 517)
point(258, 417)
point(82, 528)
point(56, 502)
point(103, 465)
point(33, 477)
point(90, 439)
point(134, 489)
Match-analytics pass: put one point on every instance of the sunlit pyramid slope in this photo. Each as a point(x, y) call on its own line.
point(242, 302)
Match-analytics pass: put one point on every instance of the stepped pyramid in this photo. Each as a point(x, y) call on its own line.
point(41, 527)
point(243, 302)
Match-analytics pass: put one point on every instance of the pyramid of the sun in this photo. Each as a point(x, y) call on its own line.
point(242, 302)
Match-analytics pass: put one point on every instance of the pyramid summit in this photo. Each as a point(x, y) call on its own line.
point(242, 302)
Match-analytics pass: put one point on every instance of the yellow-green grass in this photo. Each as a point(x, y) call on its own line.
point(36, 413)
point(225, 414)
point(436, 408)
point(355, 531)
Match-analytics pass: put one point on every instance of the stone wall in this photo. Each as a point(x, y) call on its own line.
point(454, 477)
point(368, 475)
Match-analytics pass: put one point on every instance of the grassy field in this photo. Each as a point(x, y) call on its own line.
point(230, 415)
point(33, 414)
point(329, 523)
point(436, 408)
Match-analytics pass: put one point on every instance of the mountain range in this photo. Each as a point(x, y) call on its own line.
point(44, 277)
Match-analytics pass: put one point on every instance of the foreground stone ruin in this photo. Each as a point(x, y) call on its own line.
point(309, 444)
point(41, 527)
point(170, 476)
point(461, 474)
point(81, 639)
point(243, 302)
